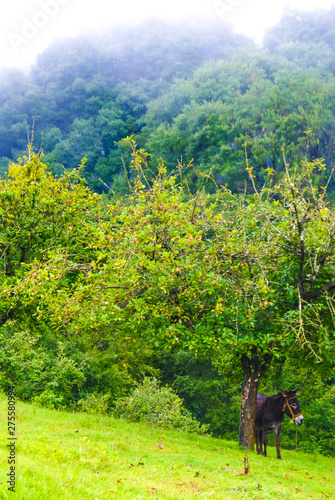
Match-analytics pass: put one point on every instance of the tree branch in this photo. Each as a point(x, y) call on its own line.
point(319, 291)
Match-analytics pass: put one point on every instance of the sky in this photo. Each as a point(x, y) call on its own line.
point(27, 27)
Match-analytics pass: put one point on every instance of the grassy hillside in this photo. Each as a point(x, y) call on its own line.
point(62, 455)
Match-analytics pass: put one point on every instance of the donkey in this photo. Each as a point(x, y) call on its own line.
point(270, 413)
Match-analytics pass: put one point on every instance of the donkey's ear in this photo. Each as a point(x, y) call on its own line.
point(282, 392)
point(297, 390)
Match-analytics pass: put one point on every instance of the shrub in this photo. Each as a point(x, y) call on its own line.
point(45, 376)
point(50, 400)
point(158, 406)
point(94, 403)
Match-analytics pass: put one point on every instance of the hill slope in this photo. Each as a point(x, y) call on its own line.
point(62, 455)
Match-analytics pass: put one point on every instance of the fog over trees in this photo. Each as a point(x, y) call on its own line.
point(197, 92)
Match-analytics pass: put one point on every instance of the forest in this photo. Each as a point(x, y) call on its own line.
point(172, 220)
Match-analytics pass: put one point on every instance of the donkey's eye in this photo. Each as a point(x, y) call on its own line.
point(294, 406)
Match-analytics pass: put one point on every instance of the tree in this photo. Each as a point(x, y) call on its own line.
point(38, 212)
point(303, 27)
point(245, 280)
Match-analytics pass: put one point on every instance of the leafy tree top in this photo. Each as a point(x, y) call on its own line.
point(239, 275)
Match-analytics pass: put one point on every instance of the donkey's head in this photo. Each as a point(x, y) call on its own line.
point(292, 405)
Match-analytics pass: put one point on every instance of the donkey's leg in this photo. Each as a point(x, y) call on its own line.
point(258, 441)
point(277, 432)
point(261, 442)
point(265, 439)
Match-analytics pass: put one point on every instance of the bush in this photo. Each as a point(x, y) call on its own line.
point(94, 403)
point(44, 376)
point(50, 400)
point(158, 406)
point(58, 370)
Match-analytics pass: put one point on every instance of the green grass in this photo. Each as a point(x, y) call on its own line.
point(62, 455)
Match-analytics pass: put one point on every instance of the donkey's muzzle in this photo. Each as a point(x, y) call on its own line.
point(299, 420)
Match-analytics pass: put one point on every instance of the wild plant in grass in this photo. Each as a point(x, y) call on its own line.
point(159, 406)
point(94, 403)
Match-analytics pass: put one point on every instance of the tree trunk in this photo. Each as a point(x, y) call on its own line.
point(5, 317)
point(251, 368)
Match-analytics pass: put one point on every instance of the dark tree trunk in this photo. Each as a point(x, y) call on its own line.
point(251, 368)
point(5, 317)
